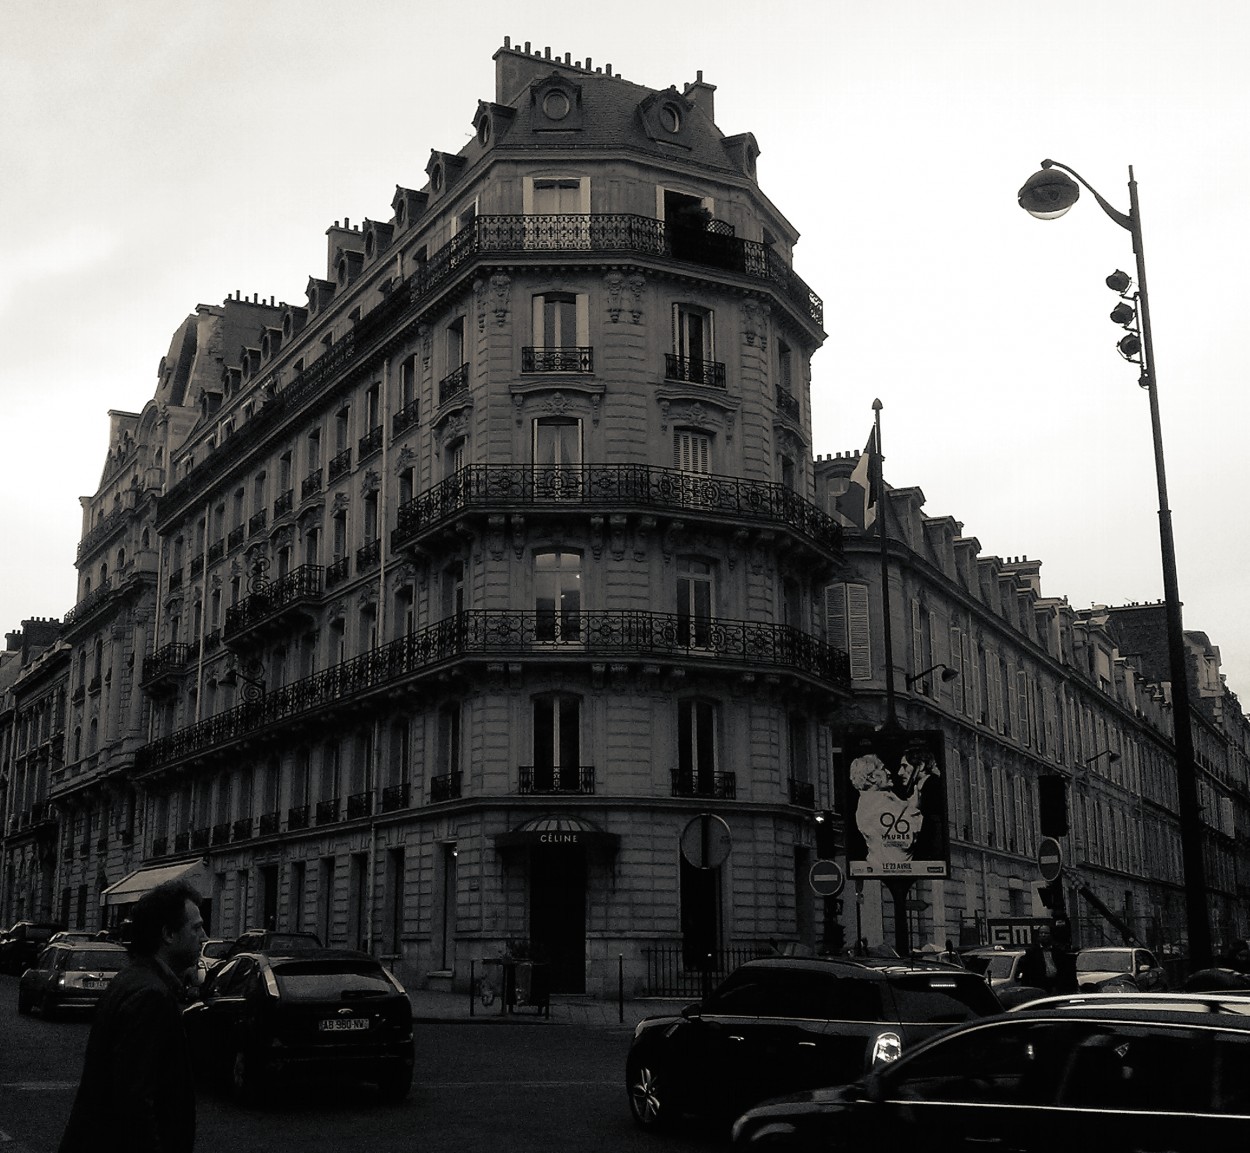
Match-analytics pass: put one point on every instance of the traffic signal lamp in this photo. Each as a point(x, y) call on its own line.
point(826, 835)
point(1052, 805)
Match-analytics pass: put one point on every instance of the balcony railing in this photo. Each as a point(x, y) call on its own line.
point(496, 488)
point(370, 443)
point(339, 571)
point(98, 532)
point(694, 371)
point(92, 601)
point(569, 359)
point(802, 793)
point(257, 522)
point(615, 636)
point(489, 237)
point(235, 536)
point(275, 598)
point(723, 786)
point(339, 464)
point(310, 485)
point(174, 580)
point(241, 829)
point(405, 418)
point(221, 833)
point(453, 384)
point(395, 797)
point(359, 805)
point(328, 811)
point(368, 555)
point(182, 841)
point(159, 846)
point(564, 779)
point(199, 838)
point(270, 823)
point(283, 503)
point(297, 817)
point(167, 659)
point(196, 567)
point(216, 550)
point(445, 787)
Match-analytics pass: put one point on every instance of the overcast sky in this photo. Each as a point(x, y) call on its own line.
point(155, 155)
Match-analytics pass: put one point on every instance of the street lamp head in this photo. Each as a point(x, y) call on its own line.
point(1048, 194)
point(1130, 347)
point(1124, 313)
point(1119, 282)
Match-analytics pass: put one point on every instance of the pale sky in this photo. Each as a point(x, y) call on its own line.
point(154, 156)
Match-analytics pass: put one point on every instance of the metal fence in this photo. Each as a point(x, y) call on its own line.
point(673, 970)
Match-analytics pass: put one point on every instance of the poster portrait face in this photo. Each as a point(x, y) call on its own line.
point(895, 803)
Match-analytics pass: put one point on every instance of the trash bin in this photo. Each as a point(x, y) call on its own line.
point(533, 986)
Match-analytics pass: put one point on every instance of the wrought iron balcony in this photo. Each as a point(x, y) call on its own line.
point(723, 786)
point(241, 829)
point(89, 603)
point(339, 571)
point(163, 668)
point(199, 838)
point(694, 371)
point(490, 237)
point(310, 486)
point(788, 404)
point(216, 551)
point(196, 567)
point(339, 464)
point(174, 580)
point(445, 787)
point(802, 793)
point(257, 522)
point(370, 443)
point(395, 797)
point(568, 359)
point(221, 833)
point(615, 636)
point(103, 529)
point(494, 488)
point(328, 811)
point(159, 846)
point(270, 823)
point(368, 555)
point(359, 805)
point(235, 536)
point(564, 779)
point(283, 503)
point(182, 841)
point(274, 601)
point(405, 418)
point(297, 817)
point(453, 384)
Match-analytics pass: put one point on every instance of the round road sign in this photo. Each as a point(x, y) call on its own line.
point(826, 879)
point(706, 841)
point(1049, 858)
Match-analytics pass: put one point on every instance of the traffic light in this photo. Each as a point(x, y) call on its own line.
point(826, 835)
point(1052, 805)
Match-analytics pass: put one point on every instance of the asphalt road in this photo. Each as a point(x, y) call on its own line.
point(489, 1087)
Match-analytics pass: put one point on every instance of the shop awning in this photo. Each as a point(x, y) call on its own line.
point(558, 830)
point(130, 888)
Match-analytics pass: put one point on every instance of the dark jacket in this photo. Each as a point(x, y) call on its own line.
point(137, 1083)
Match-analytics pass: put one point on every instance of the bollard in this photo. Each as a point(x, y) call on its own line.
point(620, 987)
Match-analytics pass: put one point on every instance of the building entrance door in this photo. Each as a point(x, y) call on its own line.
point(558, 914)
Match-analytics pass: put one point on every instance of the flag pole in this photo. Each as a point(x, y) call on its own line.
point(891, 717)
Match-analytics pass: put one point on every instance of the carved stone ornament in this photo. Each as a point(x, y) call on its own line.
point(557, 404)
point(614, 283)
point(596, 535)
point(423, 332)
point(637, 283)
point(500, 289)
point(479, 296)
point(408, 458)
point(342, 500)
point(454, 428)
point(750, 320)
point(616, 535)
point(494, 535)
point(370, 482)
point(518, 535)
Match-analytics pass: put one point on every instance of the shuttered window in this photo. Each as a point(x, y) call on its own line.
point(847, 625)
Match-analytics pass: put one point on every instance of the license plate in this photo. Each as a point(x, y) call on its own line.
point(343, 1024)
point(90, 983)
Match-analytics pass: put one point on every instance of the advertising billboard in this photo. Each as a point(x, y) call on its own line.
point(893, 784)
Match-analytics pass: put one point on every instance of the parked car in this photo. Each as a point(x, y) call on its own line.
point(69, 975)
point(335, 1014)
point(1016, 974)
point(1205, 1001)
point(782, 1023)
point(73, 935)
point(213, 952)
point(272, 940)
point(23, 942)
point(1114, 1078)
point(1112, 968)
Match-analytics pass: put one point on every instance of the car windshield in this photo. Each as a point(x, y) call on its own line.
point(98, 960)
point(331, 980)
point(937, 998)
point(1114, 960)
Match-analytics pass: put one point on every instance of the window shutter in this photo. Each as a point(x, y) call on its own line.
point(859, 638)
point(917, 642)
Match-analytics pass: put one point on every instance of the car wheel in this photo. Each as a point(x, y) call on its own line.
point(244, 1080)
point(394, 1085)
point(649, 1095)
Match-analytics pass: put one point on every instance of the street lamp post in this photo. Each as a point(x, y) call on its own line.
point(1047, 195)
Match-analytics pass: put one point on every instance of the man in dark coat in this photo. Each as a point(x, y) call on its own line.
point(137, 1091)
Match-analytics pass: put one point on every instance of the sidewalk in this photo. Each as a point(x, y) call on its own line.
point(439, 1005)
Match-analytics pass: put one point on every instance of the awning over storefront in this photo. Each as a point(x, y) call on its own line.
point(558, 830)
point(130, 888)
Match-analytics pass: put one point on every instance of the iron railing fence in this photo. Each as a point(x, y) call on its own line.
point(678, 970)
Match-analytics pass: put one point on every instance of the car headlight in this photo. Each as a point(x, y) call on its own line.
point(887, 1047)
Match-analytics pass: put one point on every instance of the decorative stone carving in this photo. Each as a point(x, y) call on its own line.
point(480, 288)
point(518, 535)
point(370, 482)
point(596, 535)
point(423, 332)
point(342, 500)
point(637, 283)
point(751, 322)
point(613, 284)
point(500, 290)
point(642, 536)
point(408, 458)
point(556, 404)
point(494, 535)
point(616, 535)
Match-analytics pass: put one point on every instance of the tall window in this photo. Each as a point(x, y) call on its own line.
point(453, 589)
point(313, 449)
point(847, 627)
point(455, 344)
point(692, 451)
point(449, 738)
point(557, 441)
point(556, 320)
point(696, 745)
point(694, 602)
point(340, 533)
point(567, 198)
point(407, 381)
point(557, 742)
point(454, 457)
point(557, 197)
point(557, 596)
point(692, 334)
point(331, 768)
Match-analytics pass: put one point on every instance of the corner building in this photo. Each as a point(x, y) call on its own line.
point(494, 564)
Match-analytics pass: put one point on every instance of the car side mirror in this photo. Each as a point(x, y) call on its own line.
point(692, 1010)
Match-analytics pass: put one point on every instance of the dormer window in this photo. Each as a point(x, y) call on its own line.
point(670, 117)
point(483, 130)
point(436, 178)
point(341, 272)
point(556, 105)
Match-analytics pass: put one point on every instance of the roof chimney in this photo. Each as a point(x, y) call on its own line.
point(700, 94)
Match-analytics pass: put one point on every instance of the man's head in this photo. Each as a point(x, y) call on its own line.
point(166, 923)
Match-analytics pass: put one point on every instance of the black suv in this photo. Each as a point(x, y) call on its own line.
point(23, 943)
point(331, 1014)
point(781, 1024)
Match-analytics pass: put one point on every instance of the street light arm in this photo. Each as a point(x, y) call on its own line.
point(1125, 222)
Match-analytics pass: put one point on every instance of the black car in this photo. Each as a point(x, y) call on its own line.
point(24, 942)
point(779, 1024)
point(1113, 1078)
point(69, 974)
point(262, 1018)
point(272, 941)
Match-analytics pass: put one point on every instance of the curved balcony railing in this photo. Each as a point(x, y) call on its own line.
point(609, 635)
point(494, 236)
point(275, 597)
point(92, 601)
point(491, 487)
